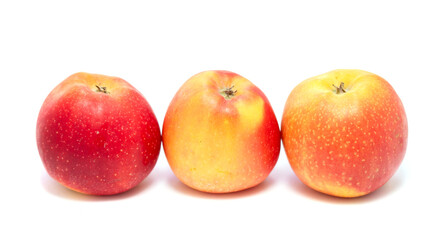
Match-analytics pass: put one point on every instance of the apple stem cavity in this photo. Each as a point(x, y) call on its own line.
point(101, 89)
point(341, 89)
point(228, 93)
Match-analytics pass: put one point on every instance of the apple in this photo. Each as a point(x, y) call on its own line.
point(97, 134)
point(344, 132)
point(220, 133)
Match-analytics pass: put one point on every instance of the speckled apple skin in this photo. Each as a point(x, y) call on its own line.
point(220, 145)
point(349, 144)
point(97, 143)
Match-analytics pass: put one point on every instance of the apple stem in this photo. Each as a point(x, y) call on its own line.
point(341, 89)
point(101, 89)
point(228, 93)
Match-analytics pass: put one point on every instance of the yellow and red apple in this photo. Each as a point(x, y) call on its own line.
point(344, 132)
point(220, 133)
point(97, 134)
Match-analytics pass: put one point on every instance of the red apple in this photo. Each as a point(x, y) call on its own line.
point(220, 133)
point(97, 134)
point(344, 132)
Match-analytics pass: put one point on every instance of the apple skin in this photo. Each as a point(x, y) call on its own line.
point(94, 142)
point(220, 145)
point(348, 144)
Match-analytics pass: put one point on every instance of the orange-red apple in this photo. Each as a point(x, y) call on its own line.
point(344, 132)
point(97, 134)
point(220, 133)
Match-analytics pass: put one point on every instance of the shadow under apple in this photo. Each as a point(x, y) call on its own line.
point(53, 187)
point(393, 185)
point(185, 190)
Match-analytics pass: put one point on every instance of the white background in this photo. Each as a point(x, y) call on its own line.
point(158, 45)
